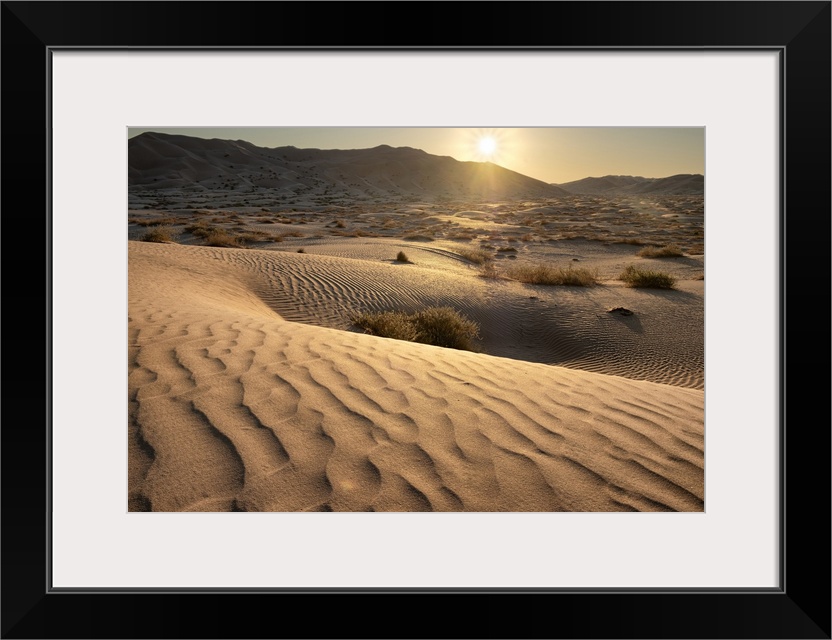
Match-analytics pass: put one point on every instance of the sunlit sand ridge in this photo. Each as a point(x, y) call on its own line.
point(251, 390)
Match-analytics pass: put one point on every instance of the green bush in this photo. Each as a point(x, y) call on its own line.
point(644, 278)
point(549, 275)
point(438, 326)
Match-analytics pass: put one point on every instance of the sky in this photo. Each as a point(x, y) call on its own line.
point(554, 155)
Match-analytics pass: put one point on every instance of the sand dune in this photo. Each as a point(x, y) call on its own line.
point(249, 392)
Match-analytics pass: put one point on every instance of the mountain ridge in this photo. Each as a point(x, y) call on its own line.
point(679, 184)
point(175, 161)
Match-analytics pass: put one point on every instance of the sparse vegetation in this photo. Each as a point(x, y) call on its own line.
point(489, 270)
point(154, 222)
point(402, 257)
point(477, 256)
point(438, 326)
point(633, 241)
point(633, 276)
point(159, 234)
point(667, 251)
point(200, 229)
point(221, 238)
point(551, 275)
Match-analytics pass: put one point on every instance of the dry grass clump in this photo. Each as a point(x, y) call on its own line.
point(667, 251)
point(354, 233)
point(159, 234)
point(200, 229)
point(387, 324)
point(633, 276)
point(550, 275)
point(402, 257)
point(489, 270)
point(255, 235)
point(477, 256)
point(438, 326)
point(221, 238)
point(154, 222)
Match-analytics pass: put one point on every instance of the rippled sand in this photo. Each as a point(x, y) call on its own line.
point(250, 390)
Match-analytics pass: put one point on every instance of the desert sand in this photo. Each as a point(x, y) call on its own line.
point(250, 388)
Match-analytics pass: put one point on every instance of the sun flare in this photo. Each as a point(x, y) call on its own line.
point(487, 146)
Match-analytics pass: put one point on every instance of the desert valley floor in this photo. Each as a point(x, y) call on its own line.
point(252, 389)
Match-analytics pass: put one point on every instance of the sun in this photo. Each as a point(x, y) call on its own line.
point(487, 147)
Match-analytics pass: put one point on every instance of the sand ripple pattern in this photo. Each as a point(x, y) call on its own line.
point(233, 408)
point(663, 342)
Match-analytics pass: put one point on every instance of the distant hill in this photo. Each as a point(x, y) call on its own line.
point(681, 184)
point(162, 161)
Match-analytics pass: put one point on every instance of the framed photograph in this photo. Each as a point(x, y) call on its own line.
point(704, 535)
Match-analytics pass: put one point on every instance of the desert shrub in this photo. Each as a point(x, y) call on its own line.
point(446, 327)
point(477, 256)
point(402, 257)
point(667, 251)
point(633, 241)
point(154, 222)
point(221, 238)
point(551, 275)
point(159, 234)
point(489, 270)
point(257, 236)
point(438, 326)
point(200, 229)
point(633, 276)
point(388, 324)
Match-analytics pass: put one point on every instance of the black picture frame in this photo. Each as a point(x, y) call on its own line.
point(799, 608)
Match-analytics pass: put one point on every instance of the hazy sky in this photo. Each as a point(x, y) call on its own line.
point(548, 154)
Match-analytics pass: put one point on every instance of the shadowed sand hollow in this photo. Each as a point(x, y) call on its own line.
point(249, 390)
